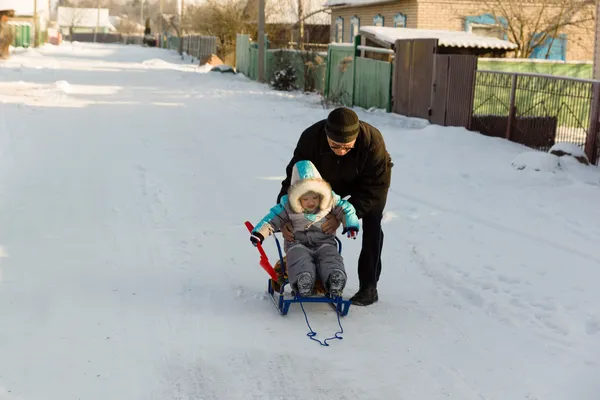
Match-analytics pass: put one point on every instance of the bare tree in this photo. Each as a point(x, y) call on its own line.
point(128, 27)
point(531, 24)
point(298, 12)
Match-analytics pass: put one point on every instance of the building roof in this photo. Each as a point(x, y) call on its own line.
point(445, 38)
point(83, 17)
point(353, 3)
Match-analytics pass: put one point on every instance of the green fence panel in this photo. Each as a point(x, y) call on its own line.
point(18, 41)
point(372, 83)
point(340, 66)
point(253, 67)
point(242, 53)
point(26, 36)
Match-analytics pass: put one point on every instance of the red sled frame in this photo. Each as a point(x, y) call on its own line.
point(282, 303)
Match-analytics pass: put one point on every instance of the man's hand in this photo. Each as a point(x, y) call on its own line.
point(286, 231)
point(331, 225)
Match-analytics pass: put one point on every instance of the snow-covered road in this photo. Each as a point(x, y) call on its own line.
point(125, 179)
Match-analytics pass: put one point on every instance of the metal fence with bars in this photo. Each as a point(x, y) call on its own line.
point(200, 47)
point(537, 110)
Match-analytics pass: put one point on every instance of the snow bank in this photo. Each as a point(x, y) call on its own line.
point(537, 161)
point(62, 87)
point(568, 148)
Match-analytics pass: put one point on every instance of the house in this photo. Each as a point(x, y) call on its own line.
point(286, 21)
point(83, 20)
point(573, 42)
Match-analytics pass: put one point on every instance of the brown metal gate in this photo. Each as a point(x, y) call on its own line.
point(433, 86)
point(413, 77)
point(453, 90)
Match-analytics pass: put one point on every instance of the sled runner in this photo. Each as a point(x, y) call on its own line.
point(279, 279)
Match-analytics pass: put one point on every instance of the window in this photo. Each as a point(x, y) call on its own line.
point(487, 30)
point(354, 27)
point(550, 49)
point(487, 25)
point(399, 20)
point(339, 29)
point(378, 20)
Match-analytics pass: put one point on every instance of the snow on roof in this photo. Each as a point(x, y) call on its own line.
point(332, 3)
point(82, 17)
point(286, 12)
point(445, 38)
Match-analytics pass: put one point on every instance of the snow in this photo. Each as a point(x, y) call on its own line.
point(569, 148)
point(445, 38)
point(125, 179)
point(537, 161)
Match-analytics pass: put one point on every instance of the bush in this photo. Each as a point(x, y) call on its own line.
point(284, 74)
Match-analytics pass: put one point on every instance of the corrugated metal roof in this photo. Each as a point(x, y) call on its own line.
point(332, 3)
point(445, 38)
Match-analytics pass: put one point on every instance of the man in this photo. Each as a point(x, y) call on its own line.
point(351, 156)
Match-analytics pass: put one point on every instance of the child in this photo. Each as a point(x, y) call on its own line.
point(309, 200)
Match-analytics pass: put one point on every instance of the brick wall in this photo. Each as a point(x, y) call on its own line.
point(366, 14)
point(449, 14)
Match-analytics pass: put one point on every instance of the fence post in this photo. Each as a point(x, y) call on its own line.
point(511, 108)
point(390, 87)
point(327, 72)
point(355, 54)
point(591, 144)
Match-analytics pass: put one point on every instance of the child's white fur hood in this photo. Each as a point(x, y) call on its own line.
point(306, 178)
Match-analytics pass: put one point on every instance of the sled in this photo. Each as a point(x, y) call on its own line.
point(279, 279)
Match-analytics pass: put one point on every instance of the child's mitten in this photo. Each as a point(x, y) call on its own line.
point(256, 238)
point(351, 232)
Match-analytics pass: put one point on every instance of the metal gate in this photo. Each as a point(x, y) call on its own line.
point(413, 77)
point(453, 90)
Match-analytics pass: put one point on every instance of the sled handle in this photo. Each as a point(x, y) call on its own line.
point(264, 260)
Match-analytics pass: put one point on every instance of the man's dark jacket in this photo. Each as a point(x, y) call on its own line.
point(364, 173)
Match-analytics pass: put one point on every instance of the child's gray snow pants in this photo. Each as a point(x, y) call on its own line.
point(322, 260)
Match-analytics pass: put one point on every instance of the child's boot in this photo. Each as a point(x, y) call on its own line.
point(337, 281)
point(305, 284)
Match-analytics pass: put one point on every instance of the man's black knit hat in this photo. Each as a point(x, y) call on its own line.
point(342, 125)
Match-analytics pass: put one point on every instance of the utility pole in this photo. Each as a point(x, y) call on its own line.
point(261, 41)
point(97, 21)
point(181, 30)
point(36, 26)
point(596, 70)
point(161, 18)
